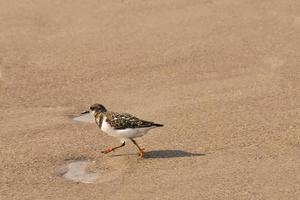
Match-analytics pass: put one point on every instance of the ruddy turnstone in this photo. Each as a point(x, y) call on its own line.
point(121, 125)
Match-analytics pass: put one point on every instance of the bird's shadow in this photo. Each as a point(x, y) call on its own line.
point(167, 154)
point(170, 154)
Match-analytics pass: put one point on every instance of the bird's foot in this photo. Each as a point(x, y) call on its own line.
point(107, 150)
point(141, 154)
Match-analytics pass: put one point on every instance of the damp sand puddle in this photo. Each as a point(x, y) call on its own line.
point(79, 171)
point(88, 118)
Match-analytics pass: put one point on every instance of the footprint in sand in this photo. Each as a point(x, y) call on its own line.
point(273, 62)
point(297, 21)
point(270, 74)
point(1, 76)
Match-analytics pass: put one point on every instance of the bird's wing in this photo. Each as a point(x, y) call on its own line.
point(125, 120)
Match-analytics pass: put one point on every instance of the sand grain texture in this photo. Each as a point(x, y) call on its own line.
point(222, 75)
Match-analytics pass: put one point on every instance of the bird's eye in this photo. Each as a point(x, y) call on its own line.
point(92, 108)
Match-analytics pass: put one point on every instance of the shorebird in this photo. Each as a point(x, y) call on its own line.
point(121, 125)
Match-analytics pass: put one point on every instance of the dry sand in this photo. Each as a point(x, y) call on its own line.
point(222, 75)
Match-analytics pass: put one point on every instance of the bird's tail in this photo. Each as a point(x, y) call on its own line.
point(158, 125)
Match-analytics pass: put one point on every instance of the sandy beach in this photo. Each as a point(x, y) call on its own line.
point(223, 76)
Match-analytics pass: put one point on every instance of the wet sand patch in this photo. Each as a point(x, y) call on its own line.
point(87, 171)
point(88, 118)
point(78, 171)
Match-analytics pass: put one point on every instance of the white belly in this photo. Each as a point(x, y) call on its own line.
point(123, 133)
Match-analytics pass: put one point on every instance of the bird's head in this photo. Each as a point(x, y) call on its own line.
point(96, 108)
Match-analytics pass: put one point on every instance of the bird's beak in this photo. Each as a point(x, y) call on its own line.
point(85, 112)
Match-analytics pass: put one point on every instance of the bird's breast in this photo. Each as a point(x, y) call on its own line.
point(106, 127)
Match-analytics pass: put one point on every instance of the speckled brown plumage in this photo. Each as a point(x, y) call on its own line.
point(123, 120)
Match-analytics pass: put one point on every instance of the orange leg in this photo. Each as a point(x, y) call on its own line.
point(113, 148)
point(141, 153)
